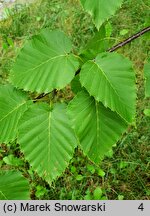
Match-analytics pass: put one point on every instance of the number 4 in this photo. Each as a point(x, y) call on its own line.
point(141, 207)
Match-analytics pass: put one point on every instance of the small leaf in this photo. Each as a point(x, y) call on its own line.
point(40, 191)
point(147, 112)
point(123, 164)
point(5, 46)
point(10, 41)
point(120, 197)
point(124, 32)
point(97, 193)
point(101, 172)
point(13, 186)
point(73, 169)
point(103, 198)
point(88, 197)
point(91, 169)
point(11, 160)
point(79, 177)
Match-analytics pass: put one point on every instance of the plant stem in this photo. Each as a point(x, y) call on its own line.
point(128, 40)
point(123, 43)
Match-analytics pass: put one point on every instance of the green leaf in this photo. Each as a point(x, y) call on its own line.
point(46, 139)
point(147, 112)
point(103, 198)
point(79, 177)
point(88, 197)
point(111, 80)
point(13, 103)
point(97, 127)
point(97, 193)
point(13, 186)
point(101, 10)
point(76, 85)
point(12, 160)
point(110, 154)
point(73, 169)
point(40, 191)
point(147, 79)
point(97, 44)
point(123, 164)
point(91, 169)
point(120, 197)
point(109, 29)
point(101, 173)
point(124, 32)
point(45, 63)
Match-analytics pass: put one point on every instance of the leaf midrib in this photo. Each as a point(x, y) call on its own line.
point(113, 89)
point(50, 59)
point(17, 107)
point(3, 195)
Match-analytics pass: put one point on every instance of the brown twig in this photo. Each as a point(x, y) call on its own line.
point(40, 96)
point(128, 40)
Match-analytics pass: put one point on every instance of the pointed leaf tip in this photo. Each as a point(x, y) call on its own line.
point(101, 10)
point(47, 139)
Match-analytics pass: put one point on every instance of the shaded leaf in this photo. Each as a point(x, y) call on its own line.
point(97, 44)
point(76, 85)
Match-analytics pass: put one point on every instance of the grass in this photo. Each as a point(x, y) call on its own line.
point(125, 172)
